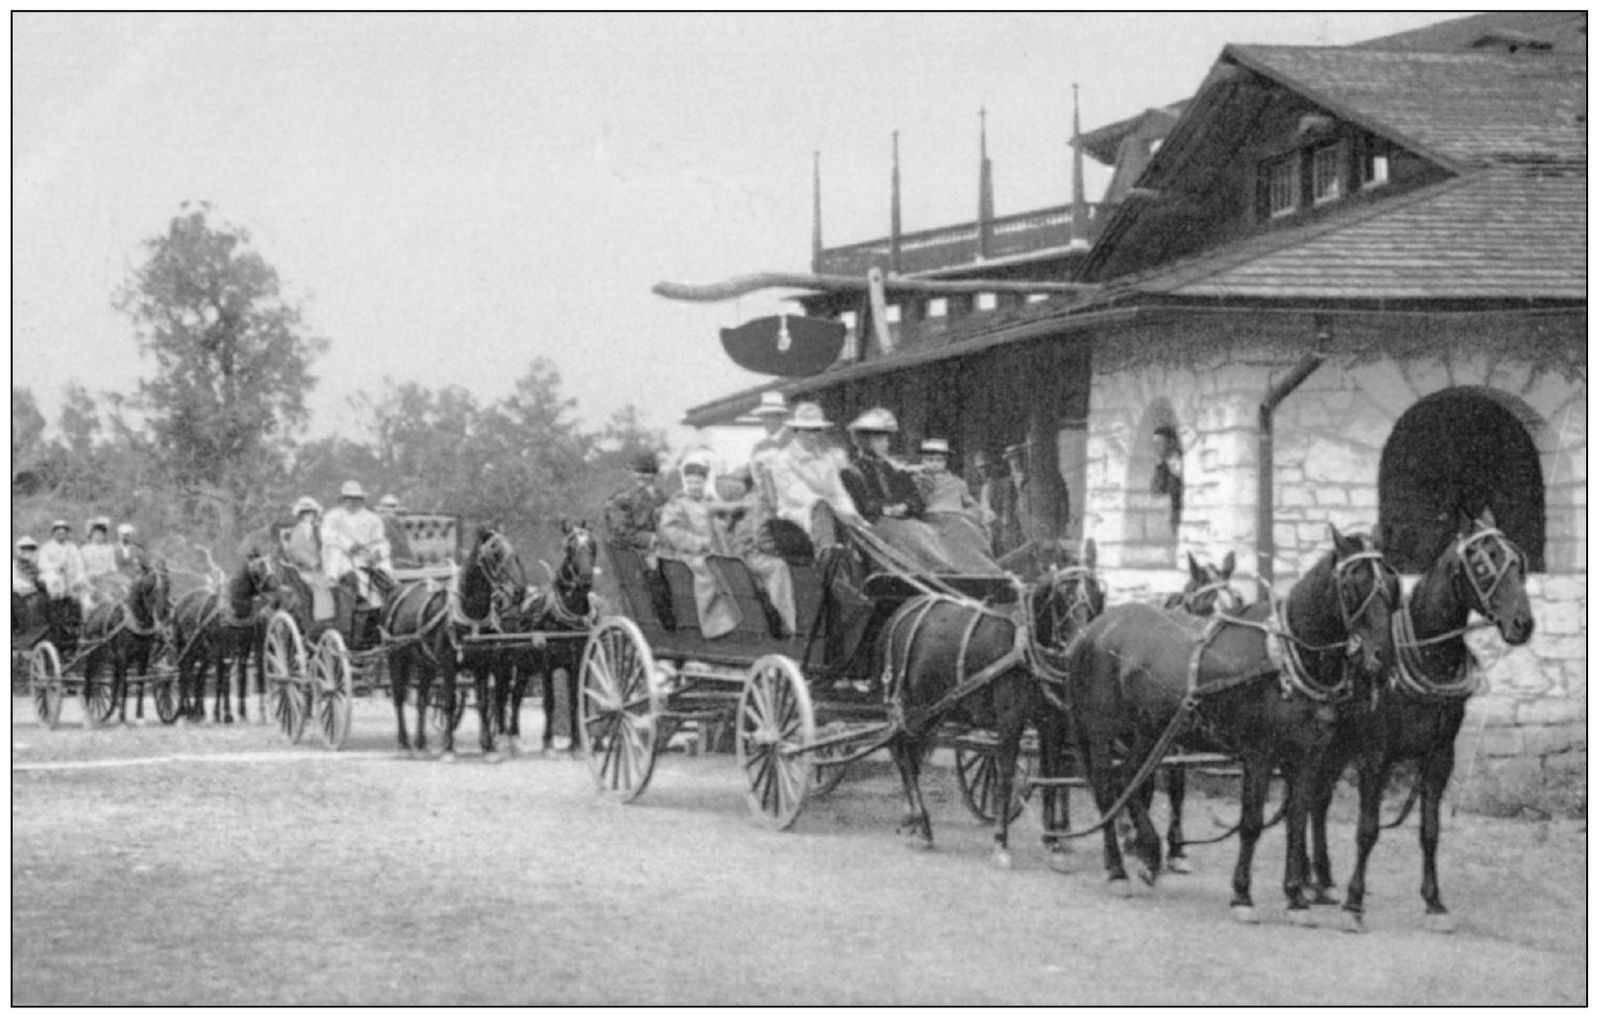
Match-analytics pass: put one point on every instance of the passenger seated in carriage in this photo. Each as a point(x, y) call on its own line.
point(802, 474)
point(62, 574)
point(25, 568)
point(952, 512)
point(353, 545)
point(741, 526)
point(389, 511)
point(99, 556)
point(688, 535)
point(129, 555)
point(888, 498)
point(304, 546)
point(630, 521)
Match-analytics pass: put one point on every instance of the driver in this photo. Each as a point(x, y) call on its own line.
point(352, 538)
point(25, 568)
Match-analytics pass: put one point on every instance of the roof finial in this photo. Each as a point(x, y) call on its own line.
point(1080, 207)
point(894, 208)
point(985, 186)
point(816, 211)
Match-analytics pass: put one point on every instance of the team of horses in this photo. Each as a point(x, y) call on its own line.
point(1345, 670)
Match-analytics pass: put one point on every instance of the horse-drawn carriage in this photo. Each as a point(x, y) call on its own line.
point(63, 653)
point(803, 706)
point(326, 646)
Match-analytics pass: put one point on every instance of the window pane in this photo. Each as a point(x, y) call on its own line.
point(1325, 174)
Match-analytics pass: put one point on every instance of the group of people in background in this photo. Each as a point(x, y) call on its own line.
point(788, 498)
point(350, 542)
point(73, 577)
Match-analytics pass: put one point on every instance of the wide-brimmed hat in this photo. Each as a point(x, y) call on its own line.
point(306, 503)
point(807, 416)
point(875, 420)
point(125, 529)
point(772, 403)
point(26, 542)
point(101, 523)
point(389, 502)
point(59, 524)
point(697, 463)
point(352, 491)
point(1015, 450)
point(936, 447)
point(646, 463)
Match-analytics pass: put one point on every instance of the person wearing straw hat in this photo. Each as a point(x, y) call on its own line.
point(305, 540)
point(773, 413)
point(389, 510)
point(951, 510)
point(804, 473)
point(65, 582)
point(742, 527)
point(686, 534)
point(130, 556)
point(99, 557)
point(888, 498)
point(353, 543)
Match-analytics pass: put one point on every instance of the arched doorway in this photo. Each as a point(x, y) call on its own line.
point(1458, 449)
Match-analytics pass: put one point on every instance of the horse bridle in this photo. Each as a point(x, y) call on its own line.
point(502, 585)
point(1475, 554)
point(1080, 611)
point(1341, 571)
point(568, 577)
point(1191, 599)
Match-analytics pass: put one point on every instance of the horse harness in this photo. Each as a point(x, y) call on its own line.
point(1410, 676)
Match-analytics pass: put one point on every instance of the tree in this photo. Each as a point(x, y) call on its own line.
point(232, 357)
point(27, 428)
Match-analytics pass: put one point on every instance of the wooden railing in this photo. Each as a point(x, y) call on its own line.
point(958, 245)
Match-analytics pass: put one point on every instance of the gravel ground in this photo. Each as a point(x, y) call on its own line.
point(216, 865)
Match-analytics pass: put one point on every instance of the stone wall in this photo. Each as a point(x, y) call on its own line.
point(1329, 436)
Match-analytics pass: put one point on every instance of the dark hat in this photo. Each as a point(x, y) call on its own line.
point(646, 464)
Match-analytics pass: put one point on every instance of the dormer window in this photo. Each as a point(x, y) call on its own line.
point(1374, 164)
point(1326, 182)
point(938, 308)
point(1283, 185)
point(986, 301)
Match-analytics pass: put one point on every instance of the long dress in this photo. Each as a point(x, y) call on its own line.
point(687, 535)
point(874, 483)
point(953, 513)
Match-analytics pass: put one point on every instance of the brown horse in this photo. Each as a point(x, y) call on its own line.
point(1140, 678)
point(127, 632)
point(1418, 713)
point(940, 655)
point(210, 628)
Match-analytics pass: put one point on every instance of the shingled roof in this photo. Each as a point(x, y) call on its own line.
point(1463, 108)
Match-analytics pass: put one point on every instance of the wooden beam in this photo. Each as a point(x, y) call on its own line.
point(739, 286)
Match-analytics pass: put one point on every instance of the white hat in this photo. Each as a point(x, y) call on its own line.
point(59, 523)
point(26, 542)
point(352, 491)
point(304, 504)
point(125, 529)
point(936, 447)
point(807, 416)
point(698, 462)
point(772, 403)
point(389, 501)
point(875, 420)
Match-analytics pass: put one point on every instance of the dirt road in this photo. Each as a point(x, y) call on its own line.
point(215, 865)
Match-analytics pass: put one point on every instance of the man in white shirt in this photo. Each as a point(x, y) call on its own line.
point(352, 537)
point(806, 472)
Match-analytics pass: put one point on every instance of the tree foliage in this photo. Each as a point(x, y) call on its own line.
point(232, 358)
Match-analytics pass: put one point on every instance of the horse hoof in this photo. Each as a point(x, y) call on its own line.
point(511, 748)
point(1244, 914)
point(1302, 917)
point(447, 757)
point(917, 842)
point(1352, 922)
point(1147, 875)
point(1001, 859)
point(1443, 923)
point(575, 753)
point(1060, 861)
point(1178, 865)
point(1119, 888)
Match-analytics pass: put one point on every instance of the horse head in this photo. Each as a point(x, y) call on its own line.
point(579, 557)
point(1069, 598)
point(1366, 590)
point(492, 577)
point(1208, 589)
point(1494, 572)
point(150, 596)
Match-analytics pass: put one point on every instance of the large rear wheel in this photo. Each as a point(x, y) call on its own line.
point(619, 706)
point(44, 683)
point(978, 773)
point(164, 682)
point(98, 704)
point(775, 721)
point(286, 686)
point(332, 690)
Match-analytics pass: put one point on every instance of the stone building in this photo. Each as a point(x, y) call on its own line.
point(1348, 287)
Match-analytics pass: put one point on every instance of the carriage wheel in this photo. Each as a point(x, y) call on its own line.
point(619, 702)
point(44, 683)
point(826, 776)
point(285, 685)
point(978, 773)
point(332, 690)
point(98, 705)
point(436, 706)
point(775, 720)
point(164, 678)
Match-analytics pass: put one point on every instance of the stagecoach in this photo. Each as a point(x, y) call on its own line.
point(801, 707)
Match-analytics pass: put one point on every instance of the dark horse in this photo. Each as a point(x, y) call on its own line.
point(1140, 677)
point(1419, 711)
point(430, 632)
point(940, 654)
point(210, 627)
point(127, 633)
point(569, 604)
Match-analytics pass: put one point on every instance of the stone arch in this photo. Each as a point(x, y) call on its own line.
point(1466, 447)
point(1149, 536)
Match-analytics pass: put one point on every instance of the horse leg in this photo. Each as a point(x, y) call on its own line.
point(1052, 766)
point(447, 679)
point(1324, 781)
point(907, 752)
point(1297, 797)
point(547, 691)
point(1177, 783)
point(1095, 752)
point(399, 683)
point(1372, 772)
point(480, 687)
point(1435, 775)
point(1011, 720)
point(1146, 842)
point(1252, 799)
point(515, 691)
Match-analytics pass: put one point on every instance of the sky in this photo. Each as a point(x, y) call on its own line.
point(450, 196)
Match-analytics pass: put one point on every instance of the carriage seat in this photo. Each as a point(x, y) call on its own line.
point(324, 605)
